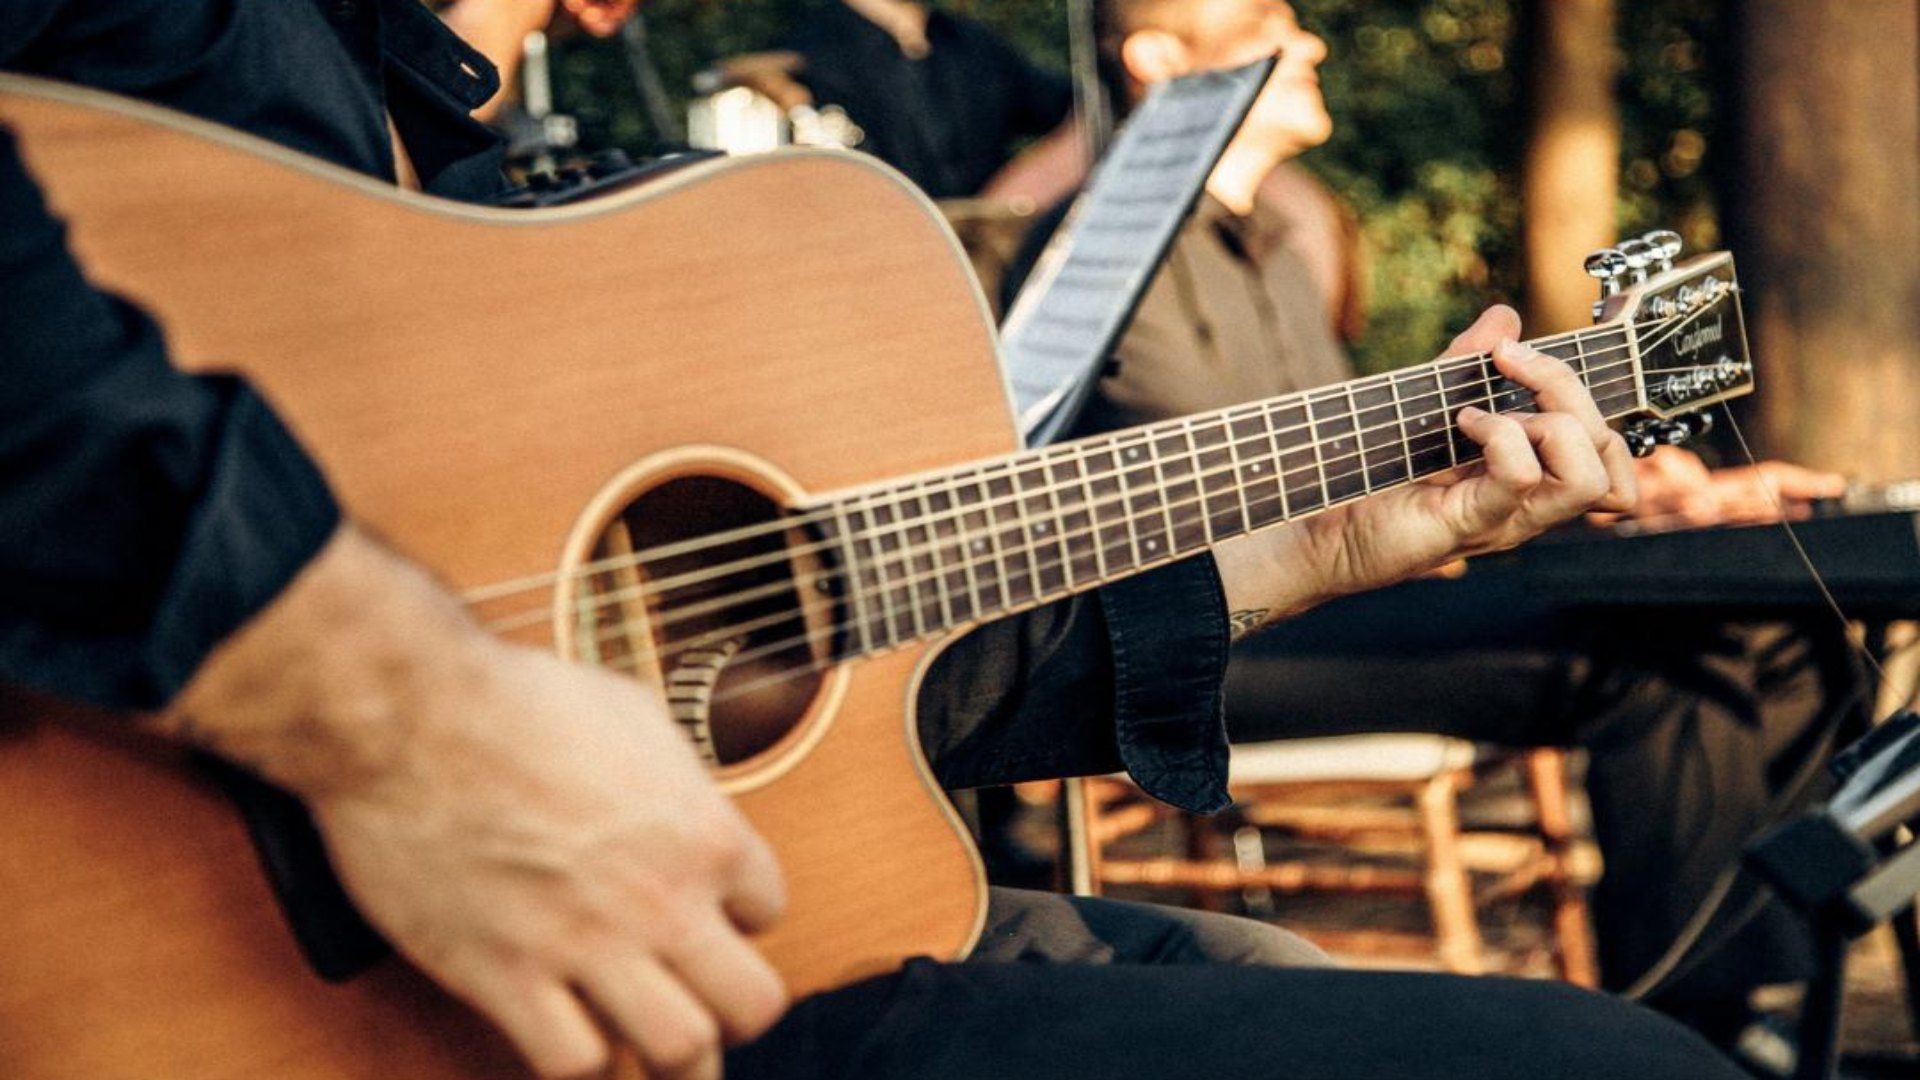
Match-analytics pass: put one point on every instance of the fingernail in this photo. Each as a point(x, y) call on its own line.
point(1510, 349)
point(1471, 413)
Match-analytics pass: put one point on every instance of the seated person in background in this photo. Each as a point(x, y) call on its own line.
point(1697, 728)
point(498, 29)
point(939, 96)
point(538, 837)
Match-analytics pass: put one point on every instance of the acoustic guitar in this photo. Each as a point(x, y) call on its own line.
point(775, 474)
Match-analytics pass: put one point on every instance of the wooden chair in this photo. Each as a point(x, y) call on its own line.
point(1395, 791)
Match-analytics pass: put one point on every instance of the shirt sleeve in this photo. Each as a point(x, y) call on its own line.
point(1127, 677)
point(145, 514)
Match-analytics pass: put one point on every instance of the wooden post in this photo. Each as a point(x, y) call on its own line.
point(1571, 170)
point(1824, 215)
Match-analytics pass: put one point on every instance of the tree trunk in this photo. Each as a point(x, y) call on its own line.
point(1572, 163)
point(1824, 214)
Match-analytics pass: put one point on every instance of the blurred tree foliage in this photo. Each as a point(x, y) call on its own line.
point(1426, 95)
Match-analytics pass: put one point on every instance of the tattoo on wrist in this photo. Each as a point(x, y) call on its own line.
point(1246, 622)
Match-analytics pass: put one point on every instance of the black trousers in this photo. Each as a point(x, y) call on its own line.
point(1156, 995)
point(1701, 732)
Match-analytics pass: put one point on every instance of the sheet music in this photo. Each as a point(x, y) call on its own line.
point(1086, 284)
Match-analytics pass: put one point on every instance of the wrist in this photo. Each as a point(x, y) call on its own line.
point(1269, 576)
point(324, 689)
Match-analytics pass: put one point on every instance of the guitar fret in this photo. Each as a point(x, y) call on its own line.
point(1016, 582)
point(1223, 500)
point(881, 590)
point(925, 561)
point(901, 596)
point(1360, 440)
point(1334, 443)
point(956, 570)
point(949, 564)
point(1161, 495)
point(1141, 501)
point(1179, 488)
point(1382, 454)
point(1201, 496)
point(1037, 519)
point(1093, 512)
point(912, 554)
point(1285, 425)
point(1113, 528)
point(851, 573)
point(990, 571)
point(1431, 448)
point(1460, 386)
point(1248, 446)
point(1400, 425)
point(1061, 472)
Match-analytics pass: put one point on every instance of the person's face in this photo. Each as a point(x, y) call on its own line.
point(1290, 115)
point(601, 18)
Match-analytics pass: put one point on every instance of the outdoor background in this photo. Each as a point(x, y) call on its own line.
point(1785, 130)
point(1429, 108)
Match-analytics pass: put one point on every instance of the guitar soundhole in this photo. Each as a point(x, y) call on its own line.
point(696, 583)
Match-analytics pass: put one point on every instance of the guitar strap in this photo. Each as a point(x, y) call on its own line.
point(1093, 273)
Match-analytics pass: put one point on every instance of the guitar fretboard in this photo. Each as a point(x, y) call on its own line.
point(926, 555)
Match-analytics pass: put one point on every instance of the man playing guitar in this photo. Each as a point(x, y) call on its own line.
point(534, 835)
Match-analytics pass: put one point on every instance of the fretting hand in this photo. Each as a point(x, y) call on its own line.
point(1538, 469)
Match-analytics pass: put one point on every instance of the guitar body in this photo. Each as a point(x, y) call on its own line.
point(484, 389)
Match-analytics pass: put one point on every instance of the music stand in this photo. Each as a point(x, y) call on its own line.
point(1844, 868)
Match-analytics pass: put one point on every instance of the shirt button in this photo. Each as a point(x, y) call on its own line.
point(343, 10)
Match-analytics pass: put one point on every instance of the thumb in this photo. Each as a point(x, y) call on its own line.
point(1494, 324)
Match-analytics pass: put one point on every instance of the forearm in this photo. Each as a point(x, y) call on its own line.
point(327, 687)
point(1270, 576)
point(528, 831)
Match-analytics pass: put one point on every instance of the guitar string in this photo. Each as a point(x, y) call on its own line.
point(887, 619)
point(1438, 369)
point(942, 576)
point(936, 549)
point(1800, 550)
point(1363, 456)
point(1037, 567)
point(875, 532)
point(1202, 493)
point(1124, 468)
point(953, 483)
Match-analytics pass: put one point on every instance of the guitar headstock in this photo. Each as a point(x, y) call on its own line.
point(1689, 340)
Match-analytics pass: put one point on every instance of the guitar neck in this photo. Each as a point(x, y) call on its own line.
point(940, 551)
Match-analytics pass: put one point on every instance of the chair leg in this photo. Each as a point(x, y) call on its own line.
point(1573, 950)
point(1449, 892)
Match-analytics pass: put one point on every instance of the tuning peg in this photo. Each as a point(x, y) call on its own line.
point(1639, 256)
point(1606, 265)
point(1666, 245)
point(1644, 436)
point(1689, 426)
